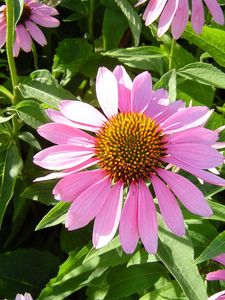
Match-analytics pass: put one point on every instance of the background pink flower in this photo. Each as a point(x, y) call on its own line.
point(34, 14)
point(138, 134)
point(175, 13)
point(217, 275)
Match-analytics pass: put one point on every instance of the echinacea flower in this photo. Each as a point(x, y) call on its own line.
point(34, 14)
point(217, 275)
point(175, 13)
point(26, 296)
point(138, 134)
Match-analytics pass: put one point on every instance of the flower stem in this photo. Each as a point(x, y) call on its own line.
point(34, 51)
point(173, 44)
point(9, 44)
point(91, 19)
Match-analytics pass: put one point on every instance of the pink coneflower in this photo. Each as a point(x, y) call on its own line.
point(175, 13)
point(34, 13)
point(138, 135)
point(26, 296)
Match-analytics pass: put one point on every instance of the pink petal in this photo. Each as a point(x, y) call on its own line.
point(147, 219)
point(62, 156)
point(64, 134)
point(36, 33)
point(107, 92)
point(2, 35)
point(220, 258)
point(82, 113)
point(153, 11)
point(197, 155)
point(87, 205)
point(215, 10)
point(204, 175)
point(196, 135)
point(124, 88)
point(216, 275)
point(24, 38)
point(128, 229)
point(167, 16)
point(186, 118)
point(107, 220)
point(191, 197)
point(88, 163)
point(197, 15)
point(169, 207)
point(40, 8)
point(68, 188)
point(180, 19)
point(164, 112)
point(141, 93)
point(218, 296)
point(45, 21)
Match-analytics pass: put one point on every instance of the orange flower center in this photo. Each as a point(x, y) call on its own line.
point(129, 146)
point(25, 14)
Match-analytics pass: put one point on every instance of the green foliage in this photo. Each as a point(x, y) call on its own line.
point(37, 253)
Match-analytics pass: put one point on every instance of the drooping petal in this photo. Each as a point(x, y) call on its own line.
point(64, 134)
point(216, 275)
point(191, 197)
point(124, 88)
point(24, 38)
point(141, 92)
point(56, 175)
point(82, 113)
point(36, 33)
point(2, 35)
point(186, 118)
point(147, 219)
point(87, 205)
point(220, 258)
point(153, 11)
point(128, 229)
point(197, 16)
point(180, 19)
point(194, 135)
point(68, 188)
point(107, 220)
point(204, 175)
point(107, 92)
point(167, 16)
point(45, 21)
point(198, 155)
point(169, 207)
point(218, 296)
point(62, 156)
point(215, 11)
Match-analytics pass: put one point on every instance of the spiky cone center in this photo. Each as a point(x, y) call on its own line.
point(24, 16)
point(129, 147)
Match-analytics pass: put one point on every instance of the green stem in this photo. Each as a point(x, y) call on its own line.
point(10, 31)
point(6, 93)
point(173, 44)
point(9, 44)
point(91, 19)
point(34, 51)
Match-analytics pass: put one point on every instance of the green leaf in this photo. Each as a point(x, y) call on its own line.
point(211, 40)
point(177, 254)
point(25, 270)
point(203, 73)
point(55, 216)
point(31, 113)
point(133, 19)
point(18, 9)
point(169, 291)
point(41, 192)
point(12, 166)
point(114, 21)
point(44, 88)
point(6, 119)
point(143, 57)
point(216, 247)
point(173, 86)
point(28, 138)
point(123, 282)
